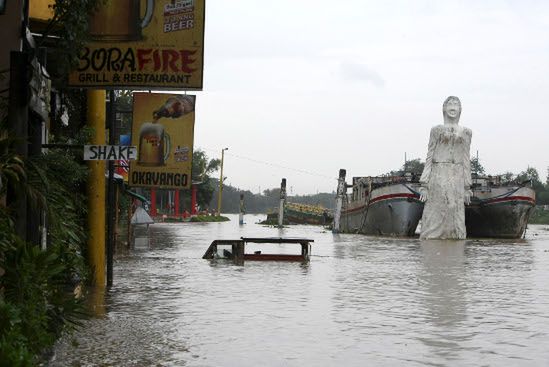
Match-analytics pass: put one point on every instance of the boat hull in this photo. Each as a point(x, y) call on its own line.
point(393, 210)
point(501, 212)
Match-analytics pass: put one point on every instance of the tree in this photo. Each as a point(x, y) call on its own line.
point(202, 168)
point(414, 166)
point(531, 174)
point(69, 29)
point(507, 176)
point(476, 168)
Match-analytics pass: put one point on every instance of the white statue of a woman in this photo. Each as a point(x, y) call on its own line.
point(446, 178)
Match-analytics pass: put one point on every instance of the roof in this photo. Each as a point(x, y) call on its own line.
point(275, 240)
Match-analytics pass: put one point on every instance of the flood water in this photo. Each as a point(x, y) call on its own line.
point(361, 301)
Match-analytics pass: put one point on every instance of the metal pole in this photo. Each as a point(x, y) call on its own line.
point(194, 188)
point(110, 194)
point(341, 188)
point(153, 202)
point(282, 201)
point(176, 206)
point(220, 182)
point(241, 215)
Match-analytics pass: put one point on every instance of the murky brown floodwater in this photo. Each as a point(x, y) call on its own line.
point(362, 301)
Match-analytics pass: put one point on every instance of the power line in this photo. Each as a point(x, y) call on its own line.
point(277, 165)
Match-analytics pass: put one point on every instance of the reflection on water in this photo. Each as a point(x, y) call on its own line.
point(360, 301)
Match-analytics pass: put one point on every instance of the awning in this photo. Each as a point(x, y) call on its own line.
point(137, 196)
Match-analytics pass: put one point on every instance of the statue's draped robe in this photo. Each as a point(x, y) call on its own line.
point(447, 174)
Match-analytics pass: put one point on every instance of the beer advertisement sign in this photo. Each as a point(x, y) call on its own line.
point(163, 131)
point(148, 44)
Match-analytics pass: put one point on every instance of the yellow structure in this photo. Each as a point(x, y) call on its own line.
point(41, 10)
point(96, 189)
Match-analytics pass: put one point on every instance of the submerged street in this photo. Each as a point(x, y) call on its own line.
point(360, 301)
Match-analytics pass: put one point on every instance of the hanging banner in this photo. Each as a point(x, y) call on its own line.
point(123, 165)
point(163, 131)
point(144, 44)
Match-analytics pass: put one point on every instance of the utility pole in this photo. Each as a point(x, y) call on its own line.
point(110, 192)
point(220, 182)
point(96, 188)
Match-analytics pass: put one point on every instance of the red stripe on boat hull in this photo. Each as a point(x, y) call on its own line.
point(382, 198)
point(527, 199)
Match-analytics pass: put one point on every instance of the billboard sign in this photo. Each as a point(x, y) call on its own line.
point(163, 131)
point(144, 44)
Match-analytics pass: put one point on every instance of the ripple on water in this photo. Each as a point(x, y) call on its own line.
point(361, 301)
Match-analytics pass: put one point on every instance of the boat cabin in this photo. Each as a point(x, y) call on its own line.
point(363, 184)
point(235, 250)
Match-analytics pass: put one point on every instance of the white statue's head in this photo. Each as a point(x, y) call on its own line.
point(451, 110)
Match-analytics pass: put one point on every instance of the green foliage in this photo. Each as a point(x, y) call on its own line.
point(209, 218)
point(476, 167)
point(542, 197)
point(37, 302)
point(531, 174)
point(7, 232)
point(14, 349)
point(70, 25)
point(60, 179)
point(265, 203)
point(507, 176)
point(202, 169)
point(124, 100)
point(414, 166)
point(539, 216)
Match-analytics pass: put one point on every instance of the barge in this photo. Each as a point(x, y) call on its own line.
point(499, 209)
point(386, 206)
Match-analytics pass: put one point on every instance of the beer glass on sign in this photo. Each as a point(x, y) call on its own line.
point(154, 145)
point(120, 20)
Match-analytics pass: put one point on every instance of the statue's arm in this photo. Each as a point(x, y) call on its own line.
point(424, 180)
point(467, 158)
point(467, 166)
point(425, 176)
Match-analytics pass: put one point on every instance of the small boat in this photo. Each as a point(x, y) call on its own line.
point(235, 250)
point(296, 213)
point(387, 206)
point(499, 209)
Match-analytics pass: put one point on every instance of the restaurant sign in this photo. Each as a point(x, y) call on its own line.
point(151, 44)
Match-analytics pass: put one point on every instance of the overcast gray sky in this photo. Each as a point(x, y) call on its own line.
point(315, 86)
